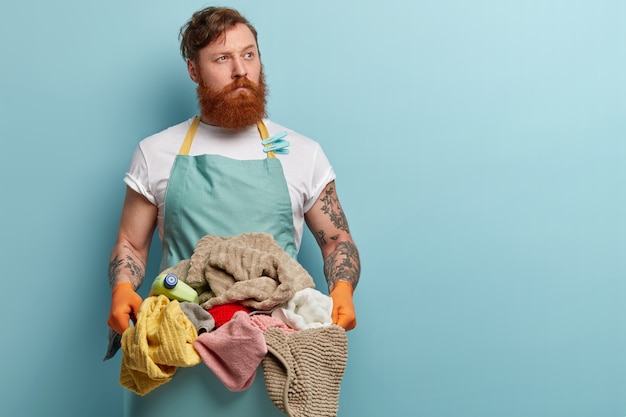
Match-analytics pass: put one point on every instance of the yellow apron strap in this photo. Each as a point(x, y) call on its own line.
point(264, 135)
point(191, 133)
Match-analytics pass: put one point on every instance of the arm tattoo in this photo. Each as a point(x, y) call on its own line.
point(320, 236)
point(117, 266)
point(343, 264)
point(333, 209)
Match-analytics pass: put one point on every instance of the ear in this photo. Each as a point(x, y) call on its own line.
point(191, 68)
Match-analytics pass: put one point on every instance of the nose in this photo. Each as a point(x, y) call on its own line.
point(240, 69)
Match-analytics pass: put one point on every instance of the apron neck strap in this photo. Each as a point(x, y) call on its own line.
point(191, 134)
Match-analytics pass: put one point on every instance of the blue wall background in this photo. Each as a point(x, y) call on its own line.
point(480, 150)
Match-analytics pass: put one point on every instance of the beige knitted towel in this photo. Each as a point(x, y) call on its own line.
point(303, 370)
point(250, 268)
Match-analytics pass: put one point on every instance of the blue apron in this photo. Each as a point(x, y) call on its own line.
point(212, 194)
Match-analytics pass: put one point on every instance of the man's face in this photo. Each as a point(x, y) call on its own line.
point(231, 88)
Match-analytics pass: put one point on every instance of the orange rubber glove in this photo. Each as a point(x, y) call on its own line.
point(125, 303)
point(343, 306)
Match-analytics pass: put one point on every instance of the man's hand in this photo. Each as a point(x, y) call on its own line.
point(125, 304)
point(343, 307)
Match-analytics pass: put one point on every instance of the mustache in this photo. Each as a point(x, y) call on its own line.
point(239, 83)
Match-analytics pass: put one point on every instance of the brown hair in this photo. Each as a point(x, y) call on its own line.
point(206, 26)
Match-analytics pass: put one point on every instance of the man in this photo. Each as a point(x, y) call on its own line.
point(212, 174)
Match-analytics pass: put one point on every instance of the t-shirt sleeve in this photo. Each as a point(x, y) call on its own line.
point(323, 173)
point(137, 176)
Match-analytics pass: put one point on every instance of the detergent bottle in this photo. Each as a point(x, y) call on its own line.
point(170, 286)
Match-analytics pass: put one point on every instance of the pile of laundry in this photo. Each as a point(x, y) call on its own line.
point(256, 306)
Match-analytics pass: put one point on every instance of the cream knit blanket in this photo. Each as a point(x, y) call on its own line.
point(250, 268)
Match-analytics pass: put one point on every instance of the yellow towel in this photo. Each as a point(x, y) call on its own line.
point(161, 341)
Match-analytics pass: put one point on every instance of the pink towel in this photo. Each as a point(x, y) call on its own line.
point(264, 322)
point(233, 352)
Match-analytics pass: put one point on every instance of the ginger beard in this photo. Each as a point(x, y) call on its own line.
point(233, 110)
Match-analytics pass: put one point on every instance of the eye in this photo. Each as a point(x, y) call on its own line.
point(249, 55)
point(221, 58)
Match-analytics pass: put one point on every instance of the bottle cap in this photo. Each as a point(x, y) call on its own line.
point(170, 281)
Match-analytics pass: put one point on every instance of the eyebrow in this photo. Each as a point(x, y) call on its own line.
point(223, 52)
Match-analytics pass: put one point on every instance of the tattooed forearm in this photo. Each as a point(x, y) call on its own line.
point(333, 209)
point(126, 265)
point(343, 264)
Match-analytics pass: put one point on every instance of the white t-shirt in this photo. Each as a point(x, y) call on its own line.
point(306, 168)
